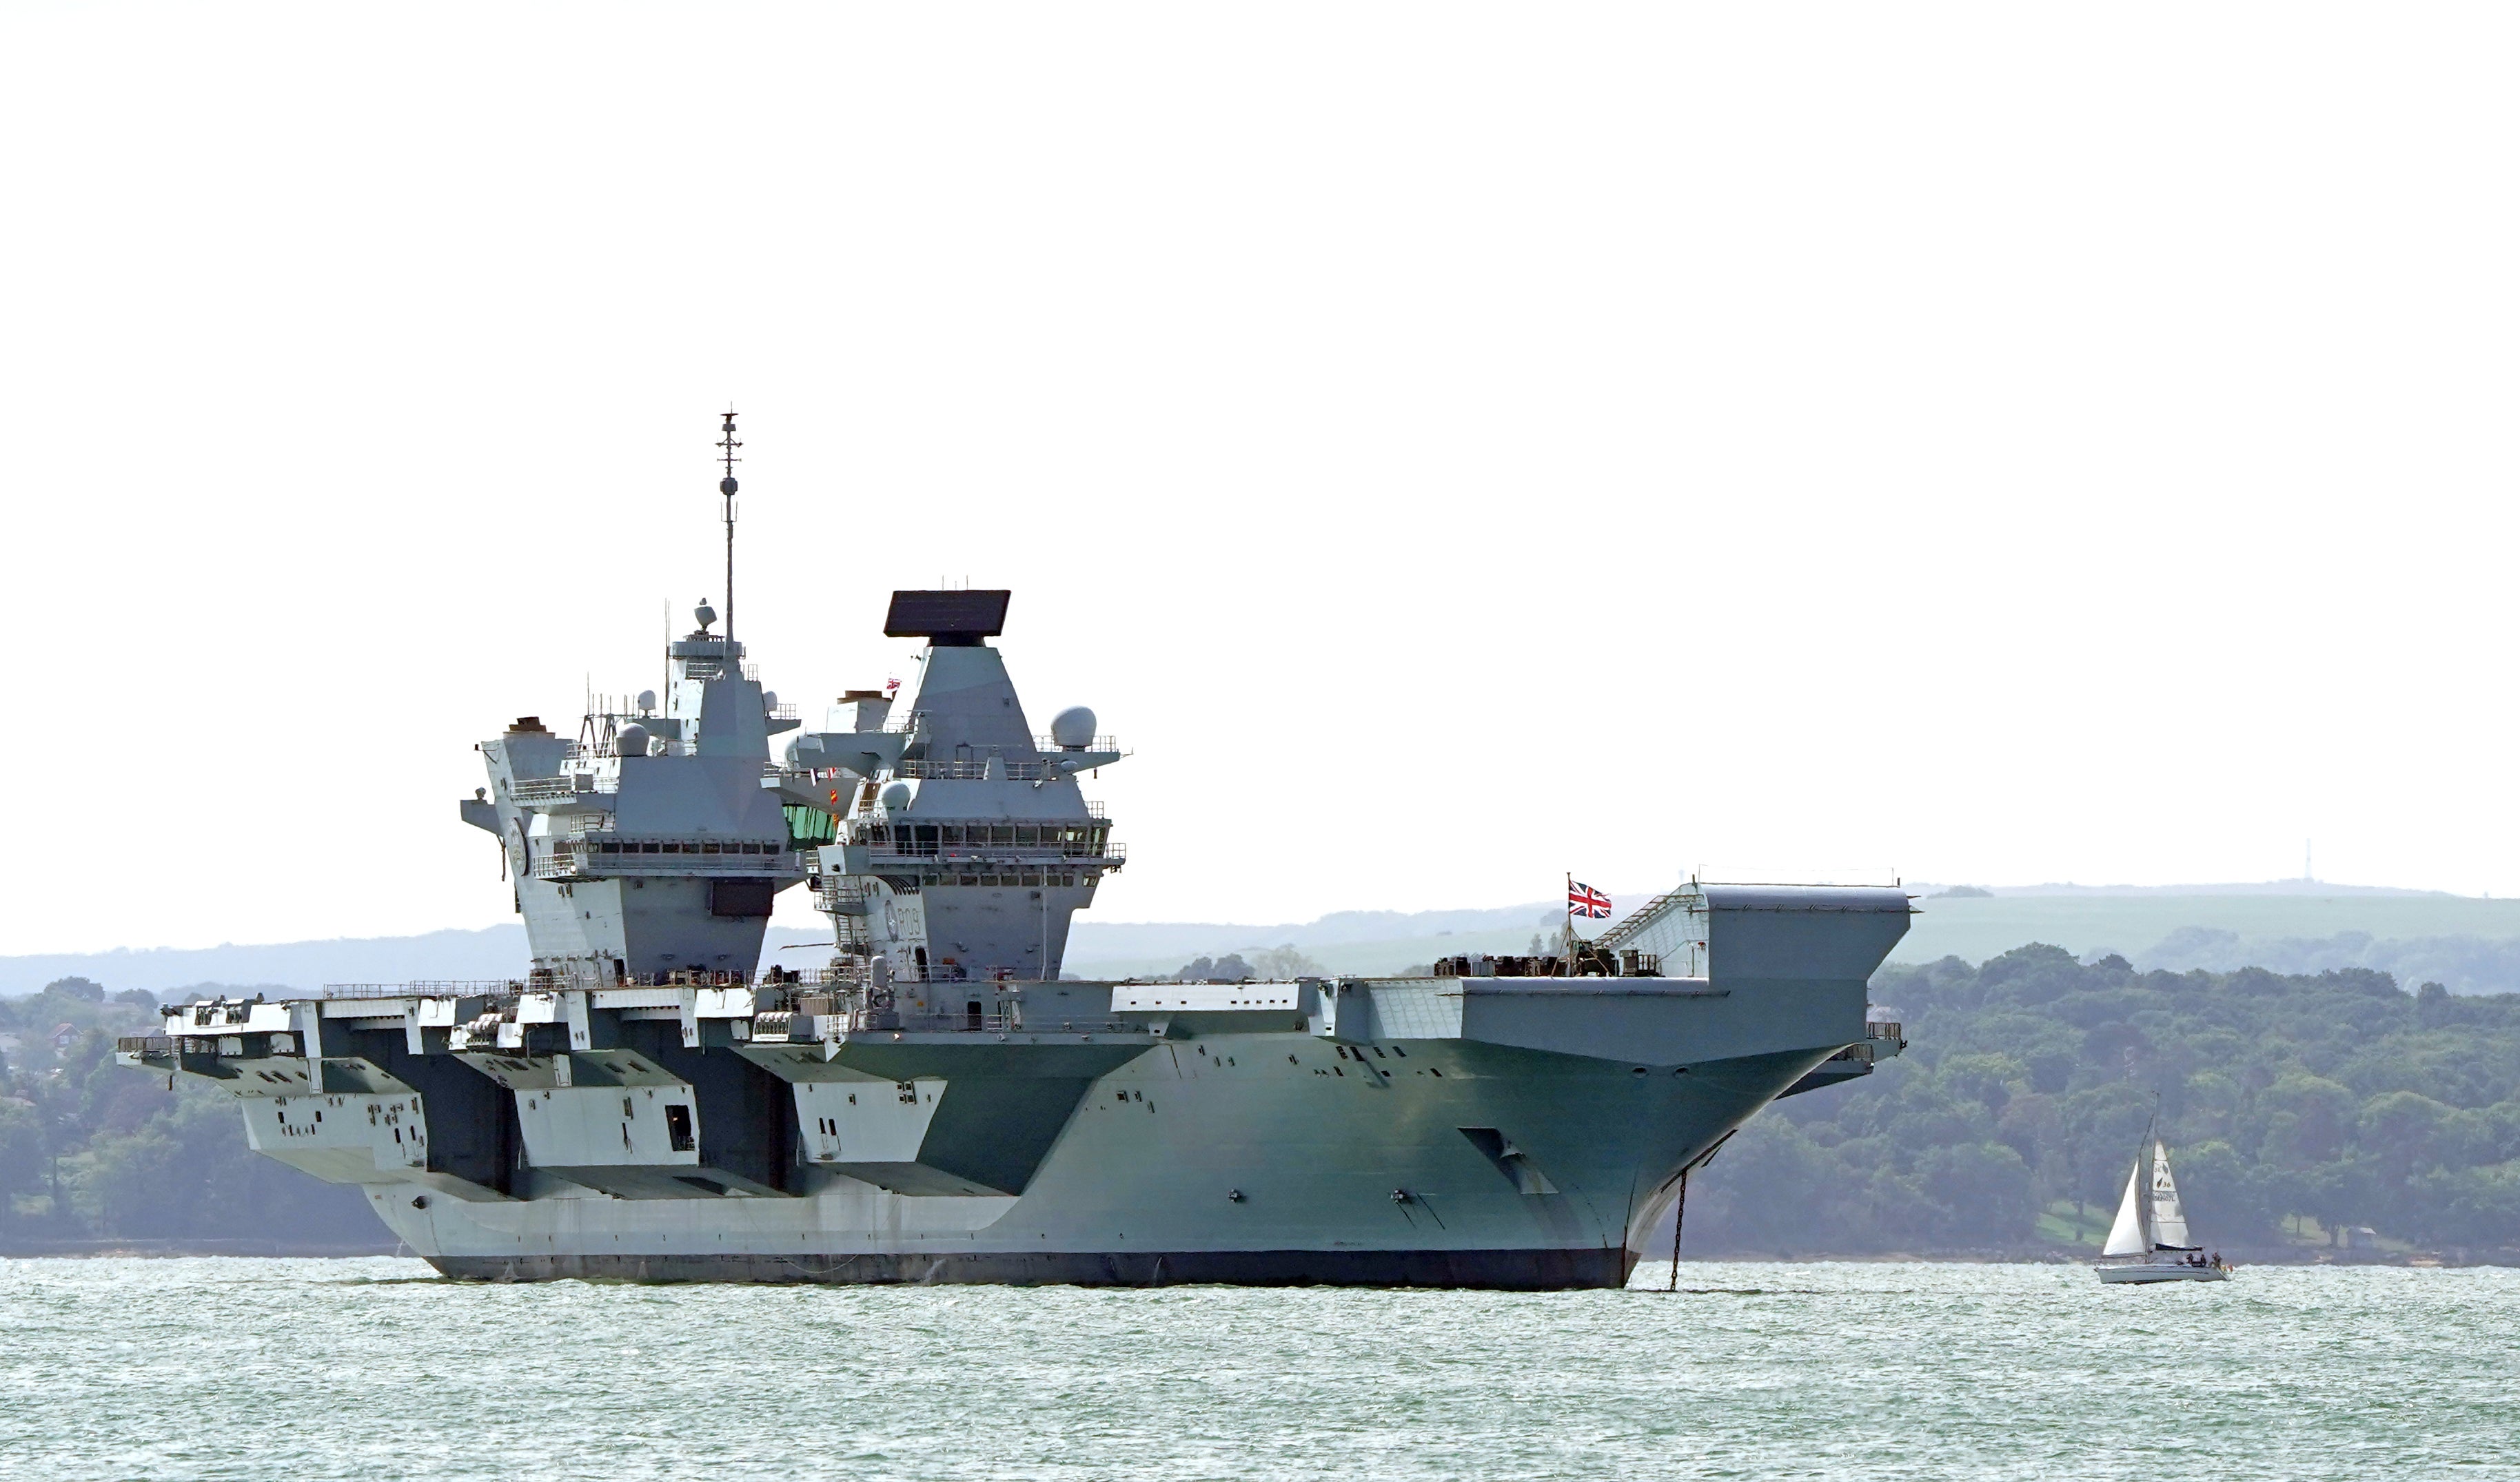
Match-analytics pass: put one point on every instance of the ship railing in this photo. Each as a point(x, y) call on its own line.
point(438, 988)
point(570, 858)
point(779, 712)
point(964, 770)
point(568, 785)
point(960, 872)
point(1023, 856)
point(1051, 746)
point(1643, 917)
point(1013, 855)
point(882, 1021)
point(577, 976)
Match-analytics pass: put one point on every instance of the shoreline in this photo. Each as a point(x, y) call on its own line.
point(2237, 1256)
point(262, 1250)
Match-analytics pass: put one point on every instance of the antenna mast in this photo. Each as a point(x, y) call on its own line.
point(726, 489)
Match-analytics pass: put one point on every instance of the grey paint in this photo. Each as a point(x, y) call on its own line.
point(977, 1120)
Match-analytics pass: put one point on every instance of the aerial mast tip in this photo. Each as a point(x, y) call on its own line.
point(727, 445)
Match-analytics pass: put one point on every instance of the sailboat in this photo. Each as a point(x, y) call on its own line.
point(2151, 1228)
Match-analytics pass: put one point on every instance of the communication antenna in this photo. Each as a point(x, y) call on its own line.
point(726, 489)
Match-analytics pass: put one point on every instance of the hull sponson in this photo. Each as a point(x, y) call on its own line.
point(1480, 1270)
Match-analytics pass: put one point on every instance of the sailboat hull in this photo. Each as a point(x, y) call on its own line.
point(2140, 1274)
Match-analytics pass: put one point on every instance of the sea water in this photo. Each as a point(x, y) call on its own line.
point(376, 1369)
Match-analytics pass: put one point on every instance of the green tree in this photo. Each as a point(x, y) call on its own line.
point(1983, 1190)
point(2334, 1096)
point(21, 1156)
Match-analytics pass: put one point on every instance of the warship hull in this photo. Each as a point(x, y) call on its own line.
point(1481, 1270)
point(1266, 1160)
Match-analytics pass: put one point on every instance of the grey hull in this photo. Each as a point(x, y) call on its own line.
point(1479, 1270)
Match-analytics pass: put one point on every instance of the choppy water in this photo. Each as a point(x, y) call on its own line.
point(374, 1368)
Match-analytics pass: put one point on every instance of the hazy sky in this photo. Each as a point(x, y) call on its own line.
point(1452, 445)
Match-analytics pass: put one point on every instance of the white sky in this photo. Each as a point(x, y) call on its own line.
point(1452, 444)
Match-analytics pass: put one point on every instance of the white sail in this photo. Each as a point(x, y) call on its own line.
point(2126, 1237)
point(2169, 1221)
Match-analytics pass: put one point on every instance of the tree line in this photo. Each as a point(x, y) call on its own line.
point(2294, 1106)
point(90, 1149)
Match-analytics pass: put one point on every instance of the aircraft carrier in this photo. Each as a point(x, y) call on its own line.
point(937, 1103)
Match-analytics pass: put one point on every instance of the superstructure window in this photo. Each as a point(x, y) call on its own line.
point(678, 1128)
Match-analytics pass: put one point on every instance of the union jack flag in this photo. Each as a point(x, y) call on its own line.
point(1584, 901)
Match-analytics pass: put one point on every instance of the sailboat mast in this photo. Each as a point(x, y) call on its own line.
point(2144, 1189)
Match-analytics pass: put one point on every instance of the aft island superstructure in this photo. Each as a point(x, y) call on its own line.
point(936, 1102)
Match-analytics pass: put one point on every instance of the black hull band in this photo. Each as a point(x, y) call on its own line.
point(1482, 1270)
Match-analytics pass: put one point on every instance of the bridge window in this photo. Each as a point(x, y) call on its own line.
point(678, 1128)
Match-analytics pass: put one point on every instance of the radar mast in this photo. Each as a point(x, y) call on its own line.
point(726, 490)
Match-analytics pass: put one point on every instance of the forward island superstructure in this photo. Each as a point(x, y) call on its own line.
point(937, 1103)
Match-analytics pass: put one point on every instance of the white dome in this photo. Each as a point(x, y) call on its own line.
point(896, 797)
point(631, 741)
point(1073, 728)
point(646, 700)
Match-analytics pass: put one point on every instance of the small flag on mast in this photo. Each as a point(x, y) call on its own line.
point(1584, 901)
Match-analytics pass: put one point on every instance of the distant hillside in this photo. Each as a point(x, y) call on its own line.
point(1346, 941)
point(495, 951)
point(2465, 944)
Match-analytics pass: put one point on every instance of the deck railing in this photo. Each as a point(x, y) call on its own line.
point(568, 785)
point(685, 856)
